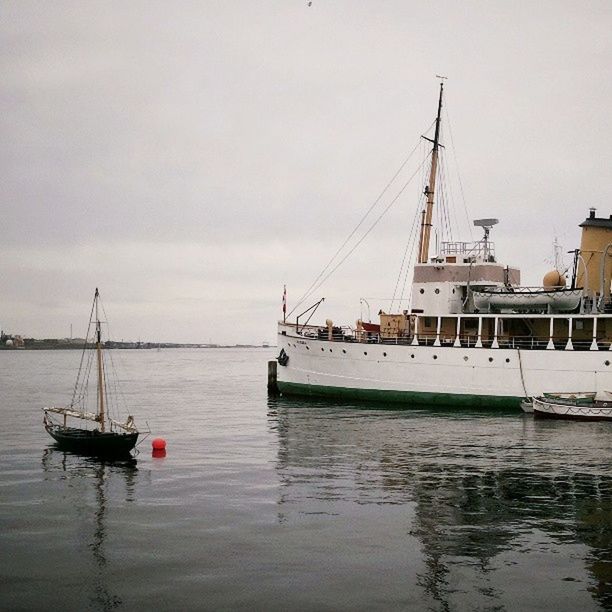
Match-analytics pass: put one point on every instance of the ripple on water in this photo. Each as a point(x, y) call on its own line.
point(276, 503)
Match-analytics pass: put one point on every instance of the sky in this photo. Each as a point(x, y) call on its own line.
point(191, 158)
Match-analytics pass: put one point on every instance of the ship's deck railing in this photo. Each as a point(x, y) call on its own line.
point(475, 339)
point(515, 342)
point(468, 249)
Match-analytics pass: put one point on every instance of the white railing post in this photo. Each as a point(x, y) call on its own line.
point(437, 341)
point(594, 346)
point(569, 346)
point(415, 339)
point(479, 341)
point(551, 345)
point(495, 344)
point(457, 340)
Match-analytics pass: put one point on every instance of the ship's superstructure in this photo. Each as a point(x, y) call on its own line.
point(471, 334)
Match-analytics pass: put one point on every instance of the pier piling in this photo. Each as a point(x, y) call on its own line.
point(272, 386)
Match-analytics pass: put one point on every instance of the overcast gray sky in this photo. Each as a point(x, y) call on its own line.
point(191, 157)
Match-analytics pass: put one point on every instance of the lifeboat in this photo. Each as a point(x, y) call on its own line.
point(527, 298)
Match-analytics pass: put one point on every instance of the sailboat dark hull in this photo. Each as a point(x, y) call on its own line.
point(87, 442)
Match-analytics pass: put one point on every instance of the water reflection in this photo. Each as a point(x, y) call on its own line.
point(84, 476)
point(488, 491)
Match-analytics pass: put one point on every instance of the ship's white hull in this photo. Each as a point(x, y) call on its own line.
point(445, 374)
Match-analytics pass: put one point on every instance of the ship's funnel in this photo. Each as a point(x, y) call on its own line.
point(595, 265)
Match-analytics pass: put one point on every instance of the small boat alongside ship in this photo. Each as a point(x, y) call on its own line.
point(106, 437)
point(577, 407)
point(470, 334)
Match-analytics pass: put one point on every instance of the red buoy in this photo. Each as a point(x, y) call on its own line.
point(159, 444)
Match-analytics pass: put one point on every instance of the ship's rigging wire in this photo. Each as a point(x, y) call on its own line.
point(444, 202)
point(449, 201)
point(412, 260)
point(80, 381)
point(447, 216)
point(316, 284)
point(382, 214)
point(443, 222)
point(410, 243)
point(444, 206)
point(81, 395)
point(117, 396)
point(465, 208)
point(365, 234)
point(446, 211)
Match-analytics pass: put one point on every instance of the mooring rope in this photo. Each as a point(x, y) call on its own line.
point(518, 352)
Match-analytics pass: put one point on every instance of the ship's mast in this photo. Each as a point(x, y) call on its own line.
point(100, 367)
point(430, 189)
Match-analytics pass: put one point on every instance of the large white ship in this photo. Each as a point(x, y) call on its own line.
point(472, 335)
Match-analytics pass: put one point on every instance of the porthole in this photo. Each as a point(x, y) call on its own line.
point(465, 358)
point(344, 351)
point(307, 348)
point(435, 356)
point(490, 359)
point(453, 291)
point(384, 354)
point(607, 362)
point(421, 291)
point(437, 291)
point(412, 356)
point(365, 352)
point(330, 351)
point(507, 360)
point(322, 349)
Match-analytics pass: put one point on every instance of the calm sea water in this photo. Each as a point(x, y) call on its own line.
point(278, 504)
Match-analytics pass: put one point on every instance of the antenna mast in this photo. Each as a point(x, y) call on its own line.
point(430, 189)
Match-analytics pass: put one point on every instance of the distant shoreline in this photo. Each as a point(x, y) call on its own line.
point(67, 346)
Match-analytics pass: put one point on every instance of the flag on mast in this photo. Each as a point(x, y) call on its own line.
point(284, 303)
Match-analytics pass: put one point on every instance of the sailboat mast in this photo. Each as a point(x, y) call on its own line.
point(430, 189)
point(101, 418)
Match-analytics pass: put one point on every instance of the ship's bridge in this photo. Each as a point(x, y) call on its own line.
point(481, 251)
point(467, 252)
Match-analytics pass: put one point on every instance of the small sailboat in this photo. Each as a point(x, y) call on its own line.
point(98, 433)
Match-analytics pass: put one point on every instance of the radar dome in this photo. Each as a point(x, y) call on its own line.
point(554, 278)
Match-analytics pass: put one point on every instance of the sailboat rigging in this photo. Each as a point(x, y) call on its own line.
point(110, 437)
